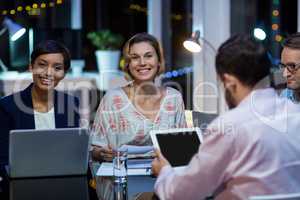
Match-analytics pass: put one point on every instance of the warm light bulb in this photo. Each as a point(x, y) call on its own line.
point(278, 38)
point(20, 8)
point(275, 13)
point(275, 27)
point(43, 5)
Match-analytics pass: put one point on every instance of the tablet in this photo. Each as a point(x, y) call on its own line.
point(177, 145)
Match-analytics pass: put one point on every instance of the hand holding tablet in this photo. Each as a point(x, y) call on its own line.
point(178, 146)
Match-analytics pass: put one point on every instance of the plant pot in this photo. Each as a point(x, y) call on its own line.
point(107, 60)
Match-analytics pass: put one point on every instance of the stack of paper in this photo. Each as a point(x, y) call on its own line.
point(139, 163)
point(138, 151)
point(139, 168)
point(132, 149)
point(134, 166)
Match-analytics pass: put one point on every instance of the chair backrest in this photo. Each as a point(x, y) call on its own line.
point(189, 118)
point(201, 119)
point(293, 196)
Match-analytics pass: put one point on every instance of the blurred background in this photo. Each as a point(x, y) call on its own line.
point(171, 21)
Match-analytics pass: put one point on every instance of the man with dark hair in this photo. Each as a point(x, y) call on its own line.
point(290, 63)
point(253, 149)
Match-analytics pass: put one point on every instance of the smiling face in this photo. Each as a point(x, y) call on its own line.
point(143, 65)
point(290, 56)
point(47, 71)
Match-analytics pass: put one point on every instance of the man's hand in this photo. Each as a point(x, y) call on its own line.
point(158, 163)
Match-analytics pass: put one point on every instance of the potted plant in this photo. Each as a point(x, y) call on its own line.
point(108, 46)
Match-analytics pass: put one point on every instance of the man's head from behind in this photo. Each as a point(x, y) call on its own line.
point(241, 62)
point(290, 61)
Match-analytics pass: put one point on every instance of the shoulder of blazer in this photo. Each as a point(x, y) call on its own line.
point(7, 103)
point(10, 102)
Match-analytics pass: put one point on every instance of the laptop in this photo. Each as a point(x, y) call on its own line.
point(42, 153)
point(177, 145)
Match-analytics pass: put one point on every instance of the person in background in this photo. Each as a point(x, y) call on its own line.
point(132, 111)
point(290, 63)
point(40, 106)
point(253, 149)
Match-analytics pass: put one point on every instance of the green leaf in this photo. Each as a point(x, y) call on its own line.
point(105, 40)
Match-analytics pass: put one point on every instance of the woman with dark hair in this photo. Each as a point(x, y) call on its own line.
point(40, 106)
point(132, 111)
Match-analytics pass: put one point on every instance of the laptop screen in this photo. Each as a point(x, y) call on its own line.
point(178, 148)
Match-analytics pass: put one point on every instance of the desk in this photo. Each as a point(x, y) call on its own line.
point(75, 188)
point(135, 185)
point(62, 188)
point(58, 188)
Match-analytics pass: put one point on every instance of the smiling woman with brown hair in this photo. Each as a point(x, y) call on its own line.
point(40, 106)
point(140, 106)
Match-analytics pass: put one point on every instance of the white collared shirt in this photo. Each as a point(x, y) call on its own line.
point(250, 150)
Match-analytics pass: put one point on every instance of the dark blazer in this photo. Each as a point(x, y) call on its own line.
point(16, 112)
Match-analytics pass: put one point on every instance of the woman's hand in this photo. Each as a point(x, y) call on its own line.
point(102, 153)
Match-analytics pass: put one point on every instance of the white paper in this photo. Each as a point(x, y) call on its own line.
point(106, 169)
point(131, 149)
point(139, 163)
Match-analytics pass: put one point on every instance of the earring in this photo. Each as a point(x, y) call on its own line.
point(158, 68)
